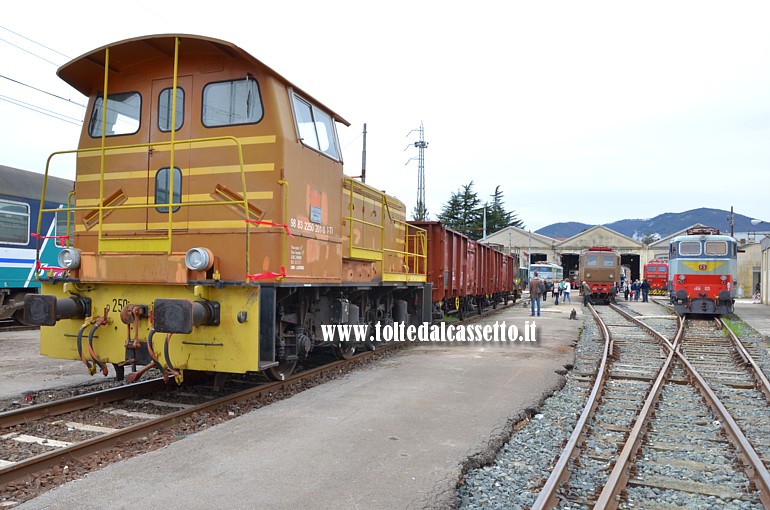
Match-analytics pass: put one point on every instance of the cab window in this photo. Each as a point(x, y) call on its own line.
point(229, 103)
point(162, 186)
point(123, 114)
point(689, 248)
point(609, 261)
point(591, 261)
point(165, 104)
point(315, 128)
point(715, 248)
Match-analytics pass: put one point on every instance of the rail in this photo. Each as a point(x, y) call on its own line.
point(18, 471)
point(616, 482)
point(561, 471)
point(762, 380)
point(619, 476)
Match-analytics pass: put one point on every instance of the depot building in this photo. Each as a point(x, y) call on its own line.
point(633, 254)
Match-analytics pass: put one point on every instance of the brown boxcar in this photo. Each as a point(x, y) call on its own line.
point(465, 274)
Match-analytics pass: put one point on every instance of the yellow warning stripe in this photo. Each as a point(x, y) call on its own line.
point(186, 225)
point(202, 197)
point(247, 140)
point(207, 170)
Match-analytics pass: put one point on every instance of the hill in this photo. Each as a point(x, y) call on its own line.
point(664, 224)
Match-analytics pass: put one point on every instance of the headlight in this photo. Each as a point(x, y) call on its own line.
point(199, 259)
point(612, 276)
point(69, 258)
point(723, 278)
point(681, 278)
point(588, 275)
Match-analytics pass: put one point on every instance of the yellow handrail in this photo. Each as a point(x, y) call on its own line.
point(417, 260)
point(104, 151)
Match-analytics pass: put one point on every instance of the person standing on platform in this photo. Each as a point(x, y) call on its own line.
point(565, 296)
point(586, 290)
point(645, 290)
point(536, 290)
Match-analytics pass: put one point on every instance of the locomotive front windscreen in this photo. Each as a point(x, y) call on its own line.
point(718, 248)
point(691, 248)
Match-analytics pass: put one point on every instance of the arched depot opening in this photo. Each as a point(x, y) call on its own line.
point(569, 262)
point(632, 260)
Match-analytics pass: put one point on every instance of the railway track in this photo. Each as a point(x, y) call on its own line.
point(674, 414)
point(654, 432)
point(10, 325)
point(65, 433)
point(53, 442)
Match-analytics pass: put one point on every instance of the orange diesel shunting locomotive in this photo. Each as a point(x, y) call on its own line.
point(219, 214)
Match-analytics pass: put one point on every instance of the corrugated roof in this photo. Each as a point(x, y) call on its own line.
point(15, 182)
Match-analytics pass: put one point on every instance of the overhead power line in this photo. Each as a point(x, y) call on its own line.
point(49, 113)
point(27, 51)
point(43, 91)
point(35, 42)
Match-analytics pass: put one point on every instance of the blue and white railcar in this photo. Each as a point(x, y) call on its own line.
point(20, 193)
point(703, 272)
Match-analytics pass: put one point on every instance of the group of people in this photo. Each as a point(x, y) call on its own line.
point(636, 289)
point(538, 290)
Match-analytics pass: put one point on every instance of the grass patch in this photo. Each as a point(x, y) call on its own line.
point(740, 328)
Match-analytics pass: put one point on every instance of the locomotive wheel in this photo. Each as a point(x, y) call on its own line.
point(281, 371)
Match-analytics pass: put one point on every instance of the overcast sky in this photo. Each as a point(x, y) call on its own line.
point(580, 111)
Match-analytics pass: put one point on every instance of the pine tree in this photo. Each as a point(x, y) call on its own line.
point(462, 212)
point(497, 217)
point(465, 214)
point(420, 212)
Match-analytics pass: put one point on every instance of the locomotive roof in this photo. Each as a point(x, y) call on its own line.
point(29, 185)
point(702, 237)
point(86, 72)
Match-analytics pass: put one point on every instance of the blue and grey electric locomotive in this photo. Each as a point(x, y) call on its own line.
point(703, 272)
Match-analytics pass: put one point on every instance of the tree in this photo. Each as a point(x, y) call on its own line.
point(497, 217)
point(462, 212)
point(649, 238)
point(420, 212)
point(465, 214)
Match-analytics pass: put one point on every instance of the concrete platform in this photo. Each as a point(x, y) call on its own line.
point(23, 370)
point(755, 315)
point(391, 436)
